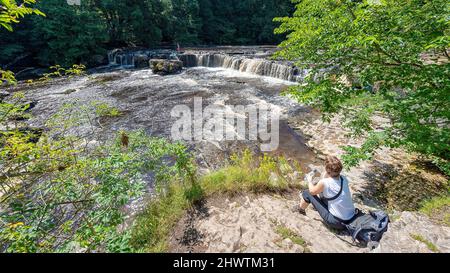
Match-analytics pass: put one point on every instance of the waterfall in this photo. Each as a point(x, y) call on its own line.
point(253, 64)
point(257, 66)
point(120, 58)
point(111, 58)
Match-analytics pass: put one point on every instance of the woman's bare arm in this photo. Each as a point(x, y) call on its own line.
point(316, 189)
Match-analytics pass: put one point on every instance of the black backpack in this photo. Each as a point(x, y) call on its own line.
point(368, 229)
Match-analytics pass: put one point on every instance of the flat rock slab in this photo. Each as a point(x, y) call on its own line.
point(250, 225)
point(415, 233)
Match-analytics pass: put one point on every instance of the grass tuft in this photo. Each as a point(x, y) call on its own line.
point(105, 110)
point(152, 227)
point(429, 244)
point(438, 209)
point(287, 233)
point(245, 174)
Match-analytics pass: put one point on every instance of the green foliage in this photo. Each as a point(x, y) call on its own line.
point(438, 209)
point(442, 164)
point(129, 22)
point(81, 34)
point(75, 70)
point(287, 233)
point(12, 110)
point(11, 12)
point(105, 110)
point(241, 22)
point(185, 21)
point(152, 227)
point(354, 155)
point(62, 196)
point(69, 34)
point(61, 190)
point(387, 58)
point(58, 71)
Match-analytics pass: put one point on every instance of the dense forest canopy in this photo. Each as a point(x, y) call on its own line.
point(73, 34)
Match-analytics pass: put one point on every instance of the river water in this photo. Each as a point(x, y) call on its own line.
point(146, 101)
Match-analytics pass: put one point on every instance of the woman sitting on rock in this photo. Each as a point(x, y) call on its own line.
point(331, 197)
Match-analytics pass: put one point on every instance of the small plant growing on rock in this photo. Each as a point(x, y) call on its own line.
point(438, 209)
point(105, 110)
point(429, 244)
point(286, 233)
point(245, 173)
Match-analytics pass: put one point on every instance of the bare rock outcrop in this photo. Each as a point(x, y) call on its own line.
point(141, 61)
point(266, 224)
point(415, 233)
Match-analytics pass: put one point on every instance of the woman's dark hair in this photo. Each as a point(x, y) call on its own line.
point(333, 166)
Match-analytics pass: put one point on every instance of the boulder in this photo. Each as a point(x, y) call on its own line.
point(141, 61)
point(166, 67)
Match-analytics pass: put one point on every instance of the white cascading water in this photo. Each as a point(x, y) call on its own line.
point(115, 57)
point(243, 63)
point(256, 66)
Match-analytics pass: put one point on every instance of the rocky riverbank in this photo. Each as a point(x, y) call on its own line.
point(248, 223)
point(266, 224)
point(251, 223)
point(256, 223)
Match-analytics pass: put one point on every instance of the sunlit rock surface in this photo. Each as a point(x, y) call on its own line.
point(146, 99)
point(415, 233)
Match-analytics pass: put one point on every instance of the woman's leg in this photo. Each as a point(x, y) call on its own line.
point(321, 208)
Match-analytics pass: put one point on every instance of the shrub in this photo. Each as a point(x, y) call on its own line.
point(64, 190)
